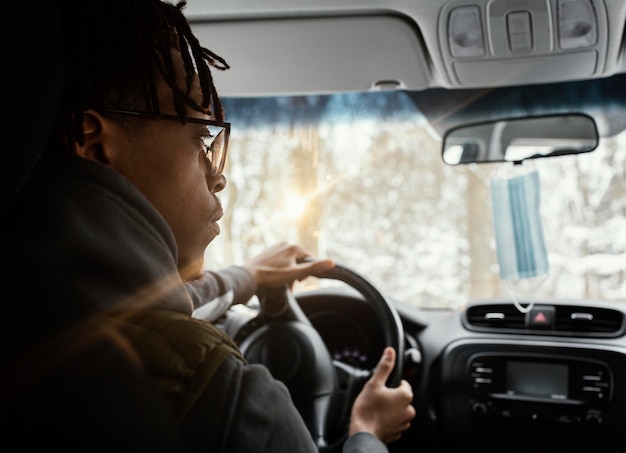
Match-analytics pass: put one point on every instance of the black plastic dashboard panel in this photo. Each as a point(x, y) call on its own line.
point(563, 392)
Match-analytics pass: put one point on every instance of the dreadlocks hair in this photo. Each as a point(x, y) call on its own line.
point(115, 52)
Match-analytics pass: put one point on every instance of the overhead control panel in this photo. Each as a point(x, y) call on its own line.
point(534, 41)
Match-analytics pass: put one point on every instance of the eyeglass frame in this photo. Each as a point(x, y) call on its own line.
point(214, 170)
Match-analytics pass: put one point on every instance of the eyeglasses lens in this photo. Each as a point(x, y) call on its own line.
point(216, 149)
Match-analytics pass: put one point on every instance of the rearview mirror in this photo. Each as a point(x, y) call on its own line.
point(515, 140)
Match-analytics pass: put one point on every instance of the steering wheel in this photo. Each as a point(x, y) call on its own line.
point(283, 339)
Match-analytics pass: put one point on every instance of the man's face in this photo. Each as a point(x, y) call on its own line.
point(165, 160)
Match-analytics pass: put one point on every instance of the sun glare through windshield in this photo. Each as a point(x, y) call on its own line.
point(359, 178)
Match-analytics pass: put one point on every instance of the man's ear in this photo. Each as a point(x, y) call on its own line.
point(95, 131)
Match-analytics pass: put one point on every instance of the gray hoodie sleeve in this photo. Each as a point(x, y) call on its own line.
point(364, 443)
point(214, 292)
point(244, 409)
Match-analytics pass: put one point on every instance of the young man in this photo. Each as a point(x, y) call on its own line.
point(105, 234)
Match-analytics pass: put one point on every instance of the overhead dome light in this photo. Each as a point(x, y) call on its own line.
point(578, 26)
point(465, 32)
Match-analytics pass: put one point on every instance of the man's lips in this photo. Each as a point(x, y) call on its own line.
point(213, 222)
point(219, 215)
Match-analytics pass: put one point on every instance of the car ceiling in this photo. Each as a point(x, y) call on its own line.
point(296, 47)
point(300, 46)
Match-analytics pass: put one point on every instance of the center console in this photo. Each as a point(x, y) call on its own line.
point(564, 393)
point(539, 386)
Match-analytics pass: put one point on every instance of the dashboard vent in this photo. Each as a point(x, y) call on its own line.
point(588, 319)
point(504, 316)
point(555, 319)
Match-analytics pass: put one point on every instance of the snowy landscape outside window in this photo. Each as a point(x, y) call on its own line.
point(359, 178)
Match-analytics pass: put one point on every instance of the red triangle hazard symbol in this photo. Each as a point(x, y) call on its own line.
point(540, 318)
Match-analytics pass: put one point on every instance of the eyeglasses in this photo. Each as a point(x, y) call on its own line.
point(215, 142)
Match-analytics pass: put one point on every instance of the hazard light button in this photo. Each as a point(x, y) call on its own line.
point(540, 317)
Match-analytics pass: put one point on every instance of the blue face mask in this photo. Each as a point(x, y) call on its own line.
point(517, 223)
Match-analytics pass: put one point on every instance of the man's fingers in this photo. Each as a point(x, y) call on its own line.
point(384, 367)
point(313, 267)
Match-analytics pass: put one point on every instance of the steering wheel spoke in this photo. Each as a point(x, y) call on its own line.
point(350, 378)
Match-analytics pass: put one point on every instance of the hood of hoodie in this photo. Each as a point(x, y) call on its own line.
point(82, 235)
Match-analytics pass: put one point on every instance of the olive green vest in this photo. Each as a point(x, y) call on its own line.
point(180, 352)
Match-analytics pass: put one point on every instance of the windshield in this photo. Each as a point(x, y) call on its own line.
point(359, 178)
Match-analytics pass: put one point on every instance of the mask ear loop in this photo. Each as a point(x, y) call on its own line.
point(516, 301)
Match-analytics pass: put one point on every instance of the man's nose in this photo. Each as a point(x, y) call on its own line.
point(216, 183)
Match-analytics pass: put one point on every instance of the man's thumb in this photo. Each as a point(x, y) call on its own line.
point(384, 367)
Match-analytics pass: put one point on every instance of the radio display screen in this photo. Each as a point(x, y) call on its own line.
point(537, 380)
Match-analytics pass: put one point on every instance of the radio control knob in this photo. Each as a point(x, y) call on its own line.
point(479, 408)
point(594, 418)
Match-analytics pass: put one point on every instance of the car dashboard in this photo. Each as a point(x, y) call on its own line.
point(494, 379)
point(489, 378)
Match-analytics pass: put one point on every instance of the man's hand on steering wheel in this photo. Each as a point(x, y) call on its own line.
point(382, 411)
point(283, 264)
